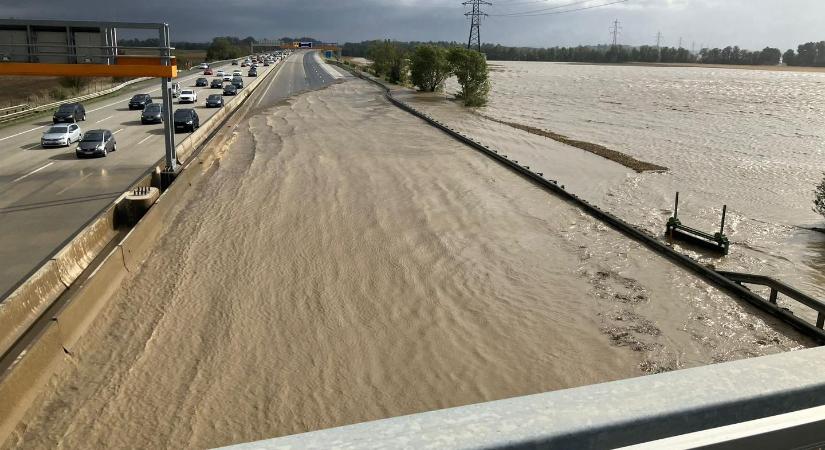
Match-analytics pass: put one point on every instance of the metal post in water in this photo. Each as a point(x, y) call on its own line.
point(676, 206)
point(722, 227)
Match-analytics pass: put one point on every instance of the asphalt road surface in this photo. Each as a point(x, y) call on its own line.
point(46, 195)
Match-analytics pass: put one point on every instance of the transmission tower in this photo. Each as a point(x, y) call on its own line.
point(659, 46)
point(475, 15)
point(614, 31)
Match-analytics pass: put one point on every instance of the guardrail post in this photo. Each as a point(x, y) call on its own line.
point(820, 320)
point(772, 299)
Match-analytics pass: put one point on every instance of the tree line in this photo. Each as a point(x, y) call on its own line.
point(428, 66)
point(809, 54)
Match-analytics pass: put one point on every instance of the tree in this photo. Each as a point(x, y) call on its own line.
point(226, 48)
point(429, 67)
point(387, 60)
point(819, 198)
point(789, 57)
point(470, 68)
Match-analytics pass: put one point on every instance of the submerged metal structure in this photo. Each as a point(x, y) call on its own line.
point(675, 230)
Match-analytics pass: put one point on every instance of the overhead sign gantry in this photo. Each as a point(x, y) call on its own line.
point(89, 49)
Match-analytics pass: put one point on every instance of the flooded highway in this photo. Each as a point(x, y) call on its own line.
point(345, 262)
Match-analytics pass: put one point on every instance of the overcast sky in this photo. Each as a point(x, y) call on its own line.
point(751, 24)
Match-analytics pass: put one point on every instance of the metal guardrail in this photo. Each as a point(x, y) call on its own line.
point(607, 415)
point(652, 242)
point(48, 106)
point(41, 108)
point(13, 109)
point(777, 287)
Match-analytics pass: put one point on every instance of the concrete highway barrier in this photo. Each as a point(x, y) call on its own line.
point(40, 321)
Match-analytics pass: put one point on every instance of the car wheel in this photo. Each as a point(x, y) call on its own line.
point(105, 152)
point(79, 156)
point(114, 147)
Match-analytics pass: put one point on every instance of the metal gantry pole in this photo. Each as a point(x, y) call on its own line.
point(168, 128)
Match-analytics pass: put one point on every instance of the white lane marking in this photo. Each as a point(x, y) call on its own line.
point(333, 73)
point(105, 118)
point(75, 183)
point(22, 132)
point(118, 131)
point(145, 139)
point(32, 172)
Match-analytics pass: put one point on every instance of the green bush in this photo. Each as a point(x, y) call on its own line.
point(470, 68)
point(58, 93)
point(388, 60)
point(429, 67)
point(819, 198)
point(76, 84)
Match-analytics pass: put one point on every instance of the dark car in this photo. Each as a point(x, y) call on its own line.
point(69, 112)
point(217, 83)
point(214, 101)
point(237, 82)
point(96, 142)
point(139, 101)
point(200, 82)
point(186, 119)
point(152, 113)
point(252, 72)
point(230, 89)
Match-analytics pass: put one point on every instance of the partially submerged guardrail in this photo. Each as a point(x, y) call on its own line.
point(652, 242)
point(777, 287)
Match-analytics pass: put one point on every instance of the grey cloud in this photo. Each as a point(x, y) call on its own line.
point(750, 24)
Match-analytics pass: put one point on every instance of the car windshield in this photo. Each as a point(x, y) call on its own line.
point(186, 92)
point(92, 136)
point(214, 97)
point(229, 88)
point(138, 97)
point(152, 108)
point(182, 114)
point(58, 130)
point(66, 108)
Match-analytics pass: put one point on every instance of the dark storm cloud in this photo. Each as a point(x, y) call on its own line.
point(748, 23)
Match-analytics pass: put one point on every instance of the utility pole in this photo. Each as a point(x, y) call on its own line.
point(475, 15)
point(680, 42)
point(614, 31)
point(659, 46)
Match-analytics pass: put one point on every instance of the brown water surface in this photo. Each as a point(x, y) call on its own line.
point(361, 265)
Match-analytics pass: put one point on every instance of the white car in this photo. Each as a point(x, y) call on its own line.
point(236, 73)
point(219, 73)
point(227, 77)
point(61, 135)
point(188, 96)
point(204, 66)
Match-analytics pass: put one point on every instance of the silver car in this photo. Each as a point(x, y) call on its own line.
point(61, 135)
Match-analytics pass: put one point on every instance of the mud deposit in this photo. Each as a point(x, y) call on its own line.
point(345, 262)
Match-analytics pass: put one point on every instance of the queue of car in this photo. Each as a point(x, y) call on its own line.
point(101, 142)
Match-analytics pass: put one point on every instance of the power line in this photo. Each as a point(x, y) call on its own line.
point(559, 12)
point(543, 9)
point(475, 15)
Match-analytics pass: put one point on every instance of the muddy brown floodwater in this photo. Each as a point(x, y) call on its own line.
point(361, 265)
